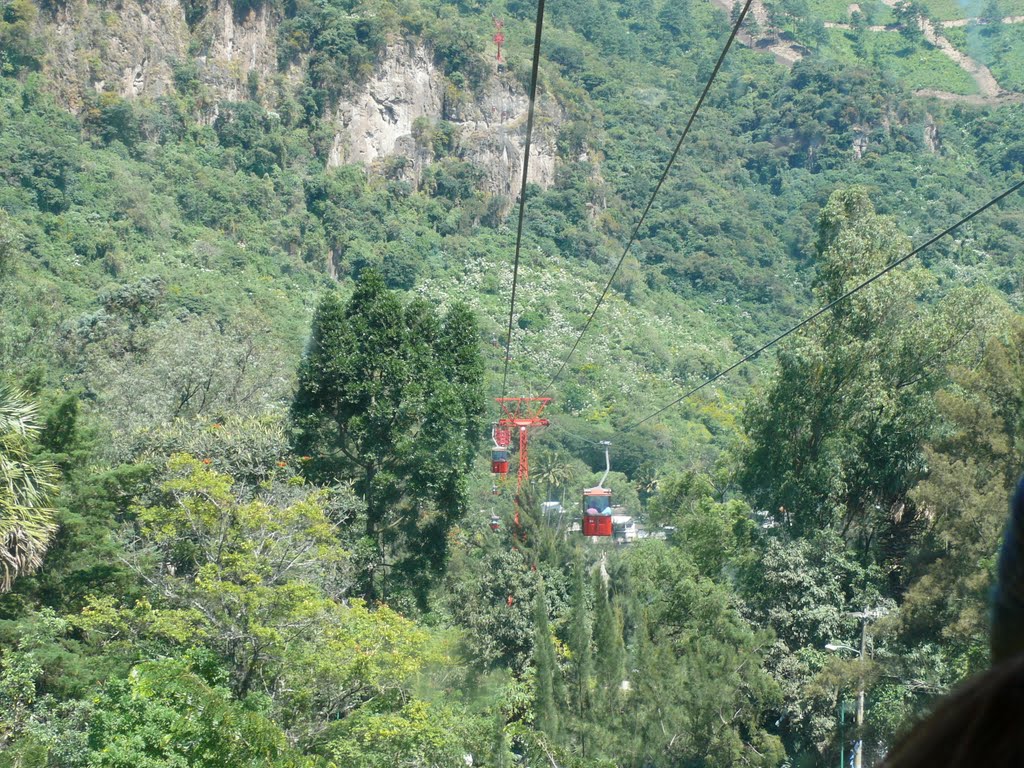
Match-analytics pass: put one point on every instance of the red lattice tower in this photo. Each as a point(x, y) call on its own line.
point(499, 36)
point(522, 414)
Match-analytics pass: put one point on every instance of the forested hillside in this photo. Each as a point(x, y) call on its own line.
point(256, 264)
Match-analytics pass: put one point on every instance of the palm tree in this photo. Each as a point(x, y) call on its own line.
point(26, 520)
point(647, 481)
point(555, 471)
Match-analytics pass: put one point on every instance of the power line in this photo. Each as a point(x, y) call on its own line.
point(654, 194)
point(522, 192)
point(831, 305)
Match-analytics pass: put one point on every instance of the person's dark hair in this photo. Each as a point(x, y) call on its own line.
point(1007, 637)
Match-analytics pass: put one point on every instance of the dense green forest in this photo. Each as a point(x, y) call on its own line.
point(247, 383)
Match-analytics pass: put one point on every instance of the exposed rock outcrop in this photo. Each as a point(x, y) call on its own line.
point(408, 88)
point(130, 52)
point(237, 47)
point(133, 53)
point(931, 134)
point(404, 87)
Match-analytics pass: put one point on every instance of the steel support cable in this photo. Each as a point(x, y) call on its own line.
point(573, 435)
point(654, 194)
point(522, 192)
point(830, 306)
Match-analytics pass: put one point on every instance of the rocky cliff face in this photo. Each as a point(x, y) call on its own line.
point(239, 46)
point(407, 87)
point(133, 52)
point(130, 52)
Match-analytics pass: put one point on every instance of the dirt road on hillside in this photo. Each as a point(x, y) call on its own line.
point(788, 52)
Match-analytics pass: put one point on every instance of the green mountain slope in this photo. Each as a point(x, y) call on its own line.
point(182, 182)
point(236, 219)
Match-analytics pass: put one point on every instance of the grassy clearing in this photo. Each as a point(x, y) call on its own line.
point(945, 10)
point(1009, 70)
point(1000, 48)
point(831, 10)
point(838, 10)
point(958, 37)
point(916, 65)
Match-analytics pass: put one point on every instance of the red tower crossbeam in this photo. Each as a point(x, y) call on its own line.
point(522, 414)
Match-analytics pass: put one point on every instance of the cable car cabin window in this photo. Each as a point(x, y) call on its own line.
point(600, 503)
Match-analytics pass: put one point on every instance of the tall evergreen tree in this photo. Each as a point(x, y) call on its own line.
point(501, 757)
point(836, 442)
point(580, 638)
point(389, 398)
point(611, 653)
point(579, 641)
point(973, 463)
point(545, 708)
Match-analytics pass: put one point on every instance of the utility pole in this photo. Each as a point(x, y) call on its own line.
point(858, 747)
point(842, 731)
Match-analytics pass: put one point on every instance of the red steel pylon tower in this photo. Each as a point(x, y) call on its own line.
point(522, 414)
point(499, 38)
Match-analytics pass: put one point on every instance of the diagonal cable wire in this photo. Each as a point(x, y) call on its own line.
point(522, 192)
point(831, 305)
point(573, 435)
point(654, 194)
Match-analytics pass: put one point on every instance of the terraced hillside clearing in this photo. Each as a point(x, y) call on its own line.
point(788, 51)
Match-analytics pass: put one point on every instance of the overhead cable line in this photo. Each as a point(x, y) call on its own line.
point(574, 436)
point(522, 192)
point(831, 305)
point(654, 194)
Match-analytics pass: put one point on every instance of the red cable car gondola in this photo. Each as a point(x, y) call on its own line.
point(499, 461)
point(502, 437)
point(597, 504)
point(597, 514)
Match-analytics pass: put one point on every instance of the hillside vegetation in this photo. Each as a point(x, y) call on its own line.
point(247, 368)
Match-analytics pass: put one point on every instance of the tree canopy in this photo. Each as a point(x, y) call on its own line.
point(390, 398)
